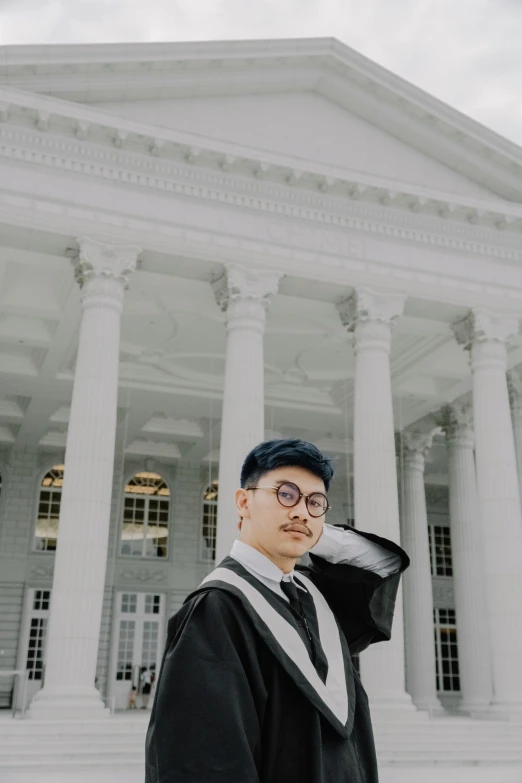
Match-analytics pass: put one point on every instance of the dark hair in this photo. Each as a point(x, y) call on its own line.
point(290, 452)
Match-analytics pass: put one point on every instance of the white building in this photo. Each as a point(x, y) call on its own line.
point(313, 248)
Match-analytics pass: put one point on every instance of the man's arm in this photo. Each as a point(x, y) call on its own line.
point(204, 724)
point(359, 580)
point(345, 545)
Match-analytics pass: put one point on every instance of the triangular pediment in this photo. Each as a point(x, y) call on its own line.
point(312, 99)
point(301, 125)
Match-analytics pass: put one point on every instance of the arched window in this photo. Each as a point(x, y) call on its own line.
point(209, 521)
point(145, 527)
point(49, 501)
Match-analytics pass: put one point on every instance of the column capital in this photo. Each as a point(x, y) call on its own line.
point(482, 325)
point(416, 446)
point(456, 421)
point(365, 305)
point(104, 260)
point(371, 315)
point(239, 283)
point(418, 442)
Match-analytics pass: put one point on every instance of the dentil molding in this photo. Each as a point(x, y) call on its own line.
point(461, 224)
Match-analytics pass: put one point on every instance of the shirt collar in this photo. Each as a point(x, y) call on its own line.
point(256, 562)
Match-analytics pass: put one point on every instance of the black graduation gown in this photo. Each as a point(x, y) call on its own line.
point(231, 704)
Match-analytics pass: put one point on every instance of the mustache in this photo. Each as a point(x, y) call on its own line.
point(299, 528)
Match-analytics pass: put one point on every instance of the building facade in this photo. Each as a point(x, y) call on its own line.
point(206, 245)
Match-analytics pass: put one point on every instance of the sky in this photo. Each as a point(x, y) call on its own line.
point(468, 53)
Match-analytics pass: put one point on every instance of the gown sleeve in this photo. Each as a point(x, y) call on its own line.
point(362, 600)
point(205, 723)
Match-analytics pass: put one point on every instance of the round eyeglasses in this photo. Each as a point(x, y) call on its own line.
point(289, 495)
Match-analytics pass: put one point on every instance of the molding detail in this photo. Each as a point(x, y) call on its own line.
point(142, 576)
point(149, 170)
point(456, 421)
point(443, 592)
point(437, 498)
point(366, 306)
point(415, 442)
point(239, 283)
point(42, 572)
point(482, 325)
point(99, 259)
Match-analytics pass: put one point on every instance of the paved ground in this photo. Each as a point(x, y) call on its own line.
point(402, 775)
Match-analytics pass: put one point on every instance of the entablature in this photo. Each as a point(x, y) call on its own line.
point(56, 134)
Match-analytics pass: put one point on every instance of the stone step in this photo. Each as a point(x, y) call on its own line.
point(418, 758)
point(44, 743)
point(112, 745)
point(439, 731)
point(24, 729)
point(119, 741)
point(487, 736)
point(67, 761)
point(27, 728)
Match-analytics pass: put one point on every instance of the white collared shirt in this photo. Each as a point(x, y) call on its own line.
point(335, 545)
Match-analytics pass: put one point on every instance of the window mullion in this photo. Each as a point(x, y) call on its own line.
point(145, 526)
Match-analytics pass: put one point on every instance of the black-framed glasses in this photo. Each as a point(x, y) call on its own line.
point(289, 495)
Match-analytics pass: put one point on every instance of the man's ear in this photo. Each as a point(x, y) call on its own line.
point(242, 504)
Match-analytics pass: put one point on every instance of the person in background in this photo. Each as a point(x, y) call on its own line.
point(146, 683)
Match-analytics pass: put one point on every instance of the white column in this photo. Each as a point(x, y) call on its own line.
point(244, 294)
point(79, 573)
point(418, 591)
point(485, 334)
point(515, 394)
point(468, 561)
point(371, 316)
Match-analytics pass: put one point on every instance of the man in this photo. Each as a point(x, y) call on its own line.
point(257, 683)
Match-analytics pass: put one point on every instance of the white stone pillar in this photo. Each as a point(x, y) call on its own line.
point(468, 561)
point(515, 394)
point(417, 584)
point(485, 334)
point(371, 316)
point(244, 294)
point(81, 558)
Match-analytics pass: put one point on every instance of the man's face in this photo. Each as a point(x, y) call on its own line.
point(282, 534)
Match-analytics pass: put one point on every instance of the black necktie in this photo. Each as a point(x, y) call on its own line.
point(290, 590)
point(293, 594)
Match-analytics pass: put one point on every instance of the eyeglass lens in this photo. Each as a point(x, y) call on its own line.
point(289, 494)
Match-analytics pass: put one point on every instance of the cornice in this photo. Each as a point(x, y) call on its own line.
point(40, 68)
point(472, 226)
point(22, 113)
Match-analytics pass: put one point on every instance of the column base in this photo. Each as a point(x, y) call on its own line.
point(399, 708)
point(505, 711)
point(427, 703)
point(81, 704)
point(477, 710)
point(434, 710)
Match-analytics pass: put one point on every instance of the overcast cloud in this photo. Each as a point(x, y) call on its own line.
point(465, 52)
